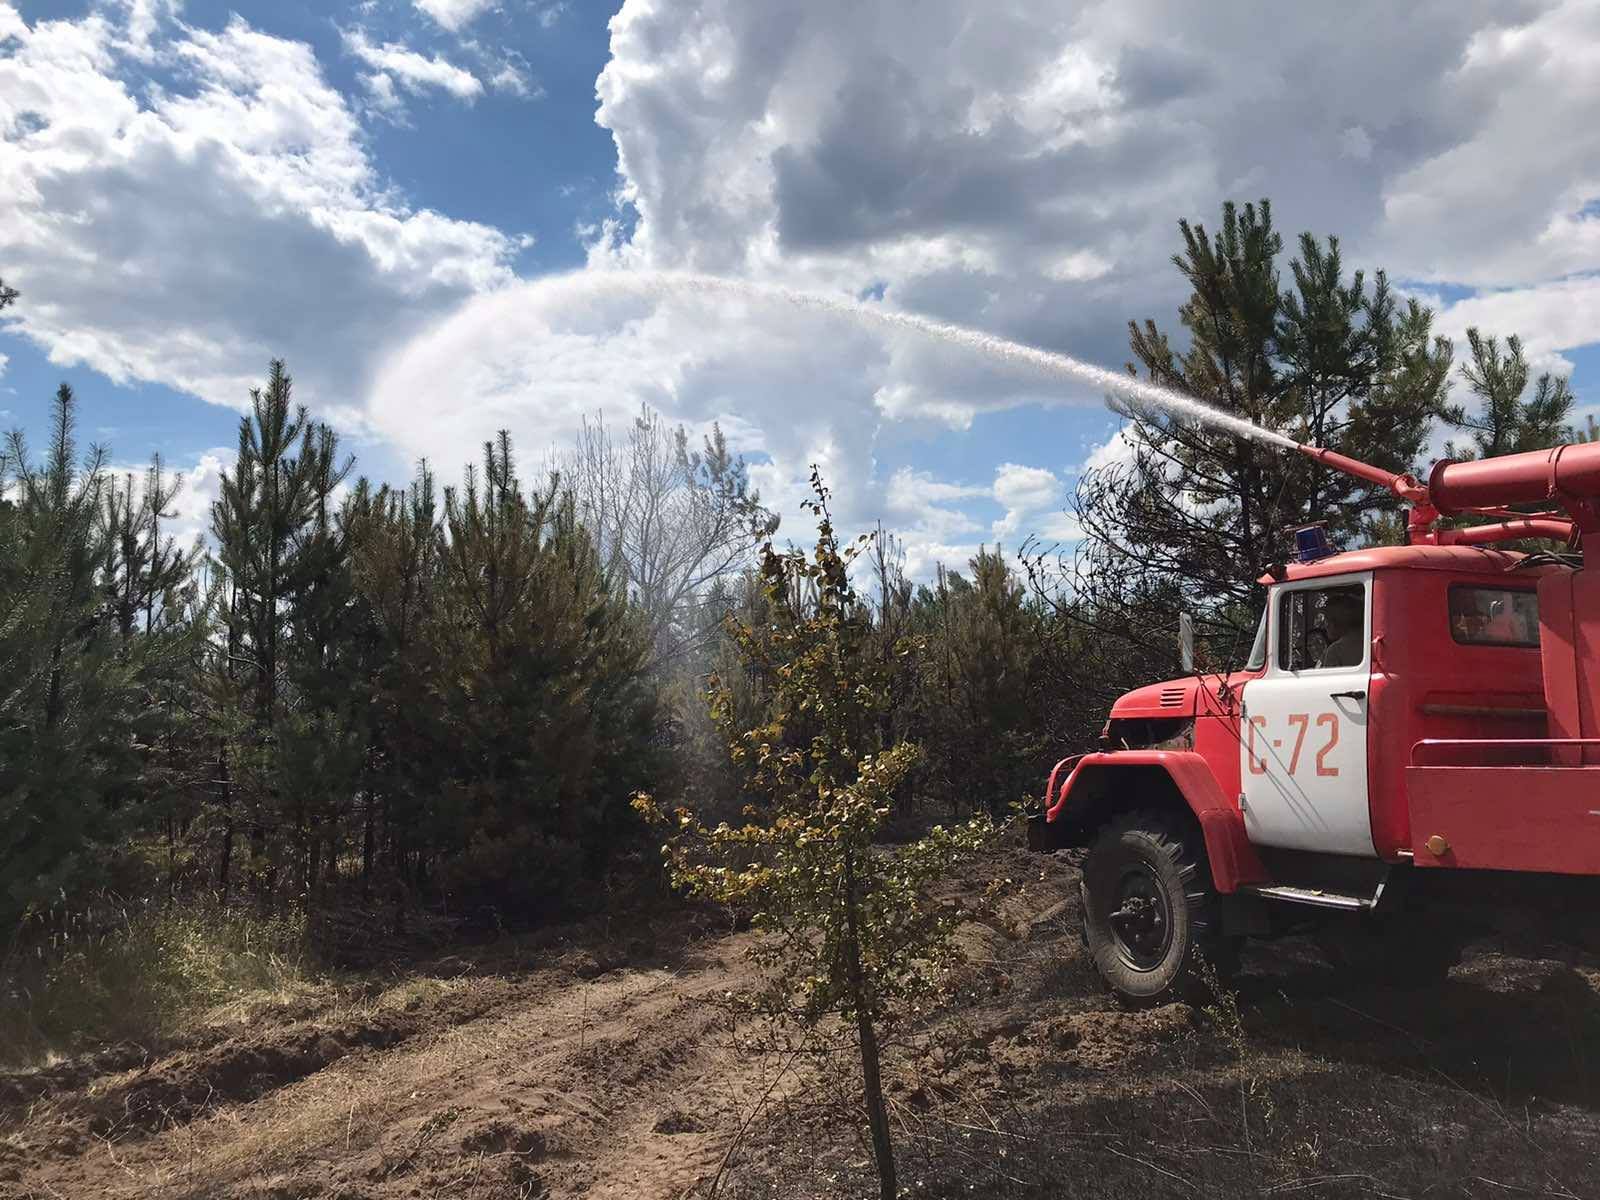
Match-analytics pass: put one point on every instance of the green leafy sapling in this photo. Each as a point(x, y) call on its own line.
point(848, 930)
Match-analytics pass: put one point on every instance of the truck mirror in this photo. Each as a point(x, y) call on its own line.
point(1186, 642)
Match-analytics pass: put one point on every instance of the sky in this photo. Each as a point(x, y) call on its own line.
point(424, 205)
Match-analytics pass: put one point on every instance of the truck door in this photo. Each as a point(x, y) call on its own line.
point(1303, 729)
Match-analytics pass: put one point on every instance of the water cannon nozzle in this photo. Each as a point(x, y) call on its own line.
point(1407, 487)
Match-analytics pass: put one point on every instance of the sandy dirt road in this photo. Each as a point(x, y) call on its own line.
point(589, 1068)
point(625, 1084)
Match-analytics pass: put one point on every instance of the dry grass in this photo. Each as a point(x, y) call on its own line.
point(142, 976)
point(349, 1101)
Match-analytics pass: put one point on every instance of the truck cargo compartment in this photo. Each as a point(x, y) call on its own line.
point(1496, 816)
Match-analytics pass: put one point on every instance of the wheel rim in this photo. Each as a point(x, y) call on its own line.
point(1141, 922)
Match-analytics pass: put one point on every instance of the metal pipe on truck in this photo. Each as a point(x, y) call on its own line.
point(1564, 473)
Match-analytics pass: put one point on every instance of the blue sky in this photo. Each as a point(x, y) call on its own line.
point(539, 166)
point(419, 204)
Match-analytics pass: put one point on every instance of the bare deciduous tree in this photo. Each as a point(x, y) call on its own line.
point(670, 520)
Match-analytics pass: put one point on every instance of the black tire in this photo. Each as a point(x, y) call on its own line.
point(1150, 912)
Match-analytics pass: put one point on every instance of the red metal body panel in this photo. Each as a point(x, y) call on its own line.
point(1481, 559)
point(1569, 625)
point(1558, 651)
point(1205, 696)
point(1171, 698)
point(1500, 804)
point(1388, 698)
point(1586, 647)
point(1492, 752)
point(1233, 858)
point(1217, 731)
point(1425, 684)
point(1507, 818)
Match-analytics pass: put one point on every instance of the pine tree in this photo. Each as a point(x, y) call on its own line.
point(320, 739)
point(1502, 420)
point(264, 503)
point(279, 553)
point(142, 567)
point(397, 563)
point(544, 714)
point(979, 638)
point(1198, 513)
point(77, 700)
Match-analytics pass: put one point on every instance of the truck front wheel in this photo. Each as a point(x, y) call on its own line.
point(1150, 915)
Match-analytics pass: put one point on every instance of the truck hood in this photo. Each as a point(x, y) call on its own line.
point(1174, 698)
point(1187, 697)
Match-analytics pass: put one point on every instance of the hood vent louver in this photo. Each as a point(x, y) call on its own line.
point(1172, 697)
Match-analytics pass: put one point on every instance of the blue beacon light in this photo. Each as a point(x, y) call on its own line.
point(1311, 543)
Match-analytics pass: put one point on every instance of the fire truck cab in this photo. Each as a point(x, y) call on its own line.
point(1417, 728)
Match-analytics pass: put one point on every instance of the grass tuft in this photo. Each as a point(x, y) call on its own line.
point(83, 979)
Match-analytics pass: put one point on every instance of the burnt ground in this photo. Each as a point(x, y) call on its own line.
point(614, 1067)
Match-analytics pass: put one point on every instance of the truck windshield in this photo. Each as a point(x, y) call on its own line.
point(1258, 652)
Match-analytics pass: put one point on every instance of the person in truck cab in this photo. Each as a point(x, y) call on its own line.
point(1343, 619)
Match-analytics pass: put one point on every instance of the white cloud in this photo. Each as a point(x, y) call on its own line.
point(1550, 317)
point(142, 21)
point(1115, 451)
point(911, 491)
point(454, 15)
point(199, 487)
point(1025, 488)
point(1022, 174)
point(1355, 142)
point(187, 233)
point(383, 95)
point(415, 72)
point(930, 514)
point(1027, 493)
point(1504, 198)
point(1078, 265)
point(510, 77)
point(927, 512)
point(503, 68)
point(5, 361)
point(1035, 501)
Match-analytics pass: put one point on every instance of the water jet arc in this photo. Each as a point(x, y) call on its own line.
point(659, 284)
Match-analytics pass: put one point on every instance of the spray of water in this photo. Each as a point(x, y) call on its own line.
point(658, 284)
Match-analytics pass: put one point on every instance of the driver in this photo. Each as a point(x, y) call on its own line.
point(1343, 618)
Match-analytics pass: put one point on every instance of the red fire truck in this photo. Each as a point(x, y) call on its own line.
point(1417, 731)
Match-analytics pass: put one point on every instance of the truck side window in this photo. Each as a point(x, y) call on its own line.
point(1322, 627)
point(1493, 616)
